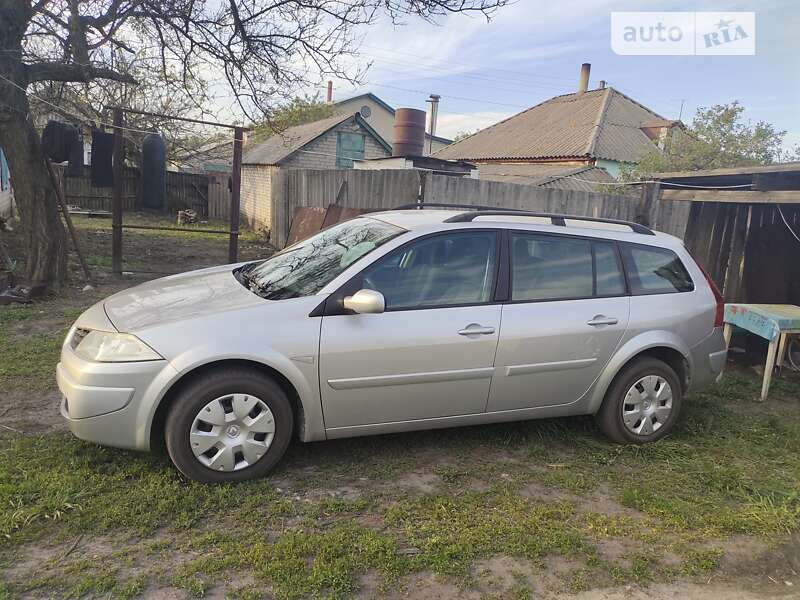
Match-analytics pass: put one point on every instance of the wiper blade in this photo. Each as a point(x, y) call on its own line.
point(246, 278)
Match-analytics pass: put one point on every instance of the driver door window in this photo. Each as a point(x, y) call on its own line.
point(443, 270)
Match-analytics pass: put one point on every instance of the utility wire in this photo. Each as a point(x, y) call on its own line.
point(394, 52)
point(785, 222)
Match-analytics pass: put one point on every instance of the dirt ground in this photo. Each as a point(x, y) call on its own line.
point(469, 513)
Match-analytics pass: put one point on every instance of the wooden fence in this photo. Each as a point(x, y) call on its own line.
point(747, 249)
point(295, 188)
point(79, 191)
point(219, 195)
point(184, 190)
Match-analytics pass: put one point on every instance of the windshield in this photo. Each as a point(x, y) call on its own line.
point(306, 267)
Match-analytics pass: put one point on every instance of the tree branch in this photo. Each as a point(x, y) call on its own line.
point(54, 71)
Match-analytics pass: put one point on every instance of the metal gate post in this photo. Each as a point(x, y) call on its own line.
point(236, 184)
point(116, 199)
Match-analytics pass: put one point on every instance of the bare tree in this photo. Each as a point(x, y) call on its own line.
point(264, 50)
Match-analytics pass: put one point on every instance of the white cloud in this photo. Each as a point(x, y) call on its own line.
point(450, 125)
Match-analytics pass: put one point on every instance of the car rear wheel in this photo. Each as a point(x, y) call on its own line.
point(228, 425)
point(642, 403)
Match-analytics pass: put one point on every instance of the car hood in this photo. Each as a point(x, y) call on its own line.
point(179, 297)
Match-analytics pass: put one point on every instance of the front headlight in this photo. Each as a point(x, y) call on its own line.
point(107, 346)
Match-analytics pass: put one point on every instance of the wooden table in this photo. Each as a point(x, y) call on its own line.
point(773, 322)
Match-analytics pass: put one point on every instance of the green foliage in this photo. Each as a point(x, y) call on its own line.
point(297, 112)
point(462, 135)
point(717, 137)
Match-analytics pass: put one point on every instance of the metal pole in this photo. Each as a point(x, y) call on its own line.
point(116, 199)
point(236, 184)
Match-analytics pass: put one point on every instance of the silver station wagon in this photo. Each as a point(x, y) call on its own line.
point(395, 321)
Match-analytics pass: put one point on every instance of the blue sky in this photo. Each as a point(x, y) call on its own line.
point(533, 49)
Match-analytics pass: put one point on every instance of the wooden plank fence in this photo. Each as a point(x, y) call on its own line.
point(184, 190)
point(219, 195)
point(747, 249)
point(385, 189)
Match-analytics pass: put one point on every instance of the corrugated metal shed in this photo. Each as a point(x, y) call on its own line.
point(602, 123)
point(579, 178)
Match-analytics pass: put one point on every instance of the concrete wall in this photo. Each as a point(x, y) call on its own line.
point(255, 198)
point(258, 180)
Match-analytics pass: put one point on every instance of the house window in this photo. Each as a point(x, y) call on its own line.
point(349, 147)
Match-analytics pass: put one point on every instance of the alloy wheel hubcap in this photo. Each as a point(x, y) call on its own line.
point(647, 405)
point(232, 432)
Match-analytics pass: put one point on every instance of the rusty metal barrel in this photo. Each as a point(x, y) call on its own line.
point(409, 132)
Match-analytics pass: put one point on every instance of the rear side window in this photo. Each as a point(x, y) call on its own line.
point(610, 281)
point(654, 270)
point(550, 268)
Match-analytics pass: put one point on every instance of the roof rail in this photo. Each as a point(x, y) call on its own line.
point(555, 218)
point(472, 207)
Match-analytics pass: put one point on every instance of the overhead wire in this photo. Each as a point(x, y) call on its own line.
point(393, 52)
point(785, 222)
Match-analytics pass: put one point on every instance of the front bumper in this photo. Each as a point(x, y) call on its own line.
point(109, 403)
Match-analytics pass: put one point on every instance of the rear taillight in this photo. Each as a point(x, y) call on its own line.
point(719, 313)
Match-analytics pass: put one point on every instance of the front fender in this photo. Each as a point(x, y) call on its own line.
point(302, 375)
point(631, 348)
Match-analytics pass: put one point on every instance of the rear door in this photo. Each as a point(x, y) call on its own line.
point(567, 313)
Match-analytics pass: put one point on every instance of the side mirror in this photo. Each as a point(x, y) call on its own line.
point(365, 302)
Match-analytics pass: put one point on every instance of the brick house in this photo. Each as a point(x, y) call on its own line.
point(332, 143)
point(380, 116)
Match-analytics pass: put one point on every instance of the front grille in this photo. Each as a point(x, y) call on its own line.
point(77, 337)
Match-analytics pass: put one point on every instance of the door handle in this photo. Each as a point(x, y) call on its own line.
point(602, 320)
point(476, 329)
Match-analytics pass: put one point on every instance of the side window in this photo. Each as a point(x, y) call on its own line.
point(550, 268)
point(610, 281)
point(442, 270)
point(655, 270)
point(349, 147)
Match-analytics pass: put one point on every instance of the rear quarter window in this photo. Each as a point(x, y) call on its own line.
point(653, 270)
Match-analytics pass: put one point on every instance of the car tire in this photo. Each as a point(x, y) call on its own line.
point(634, 410)
point(231, 411)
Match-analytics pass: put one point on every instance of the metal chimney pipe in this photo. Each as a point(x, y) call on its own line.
point(330, 92)
point(583, 82)
point(434, 115)
point(601, 85)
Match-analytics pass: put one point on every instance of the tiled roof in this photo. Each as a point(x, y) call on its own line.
point(278, 147)
point(563, 177)
point(602, 123)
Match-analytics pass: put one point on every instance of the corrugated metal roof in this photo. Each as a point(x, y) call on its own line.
point(563, 177)
point(602, 123)
point(278, 147)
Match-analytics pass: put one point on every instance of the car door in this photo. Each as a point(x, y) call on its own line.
point(431, 352)
point(568, 310)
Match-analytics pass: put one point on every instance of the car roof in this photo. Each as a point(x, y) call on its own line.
point(429, 219)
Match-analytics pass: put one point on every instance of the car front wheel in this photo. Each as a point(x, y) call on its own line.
point(228, 425)
point(642, 403)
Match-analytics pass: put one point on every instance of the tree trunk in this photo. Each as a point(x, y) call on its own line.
point(46, 259)
point(46, 251)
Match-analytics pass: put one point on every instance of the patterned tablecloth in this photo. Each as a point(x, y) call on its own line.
point(764, 320)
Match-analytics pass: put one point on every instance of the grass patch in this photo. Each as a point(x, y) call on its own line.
point(335, 512)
